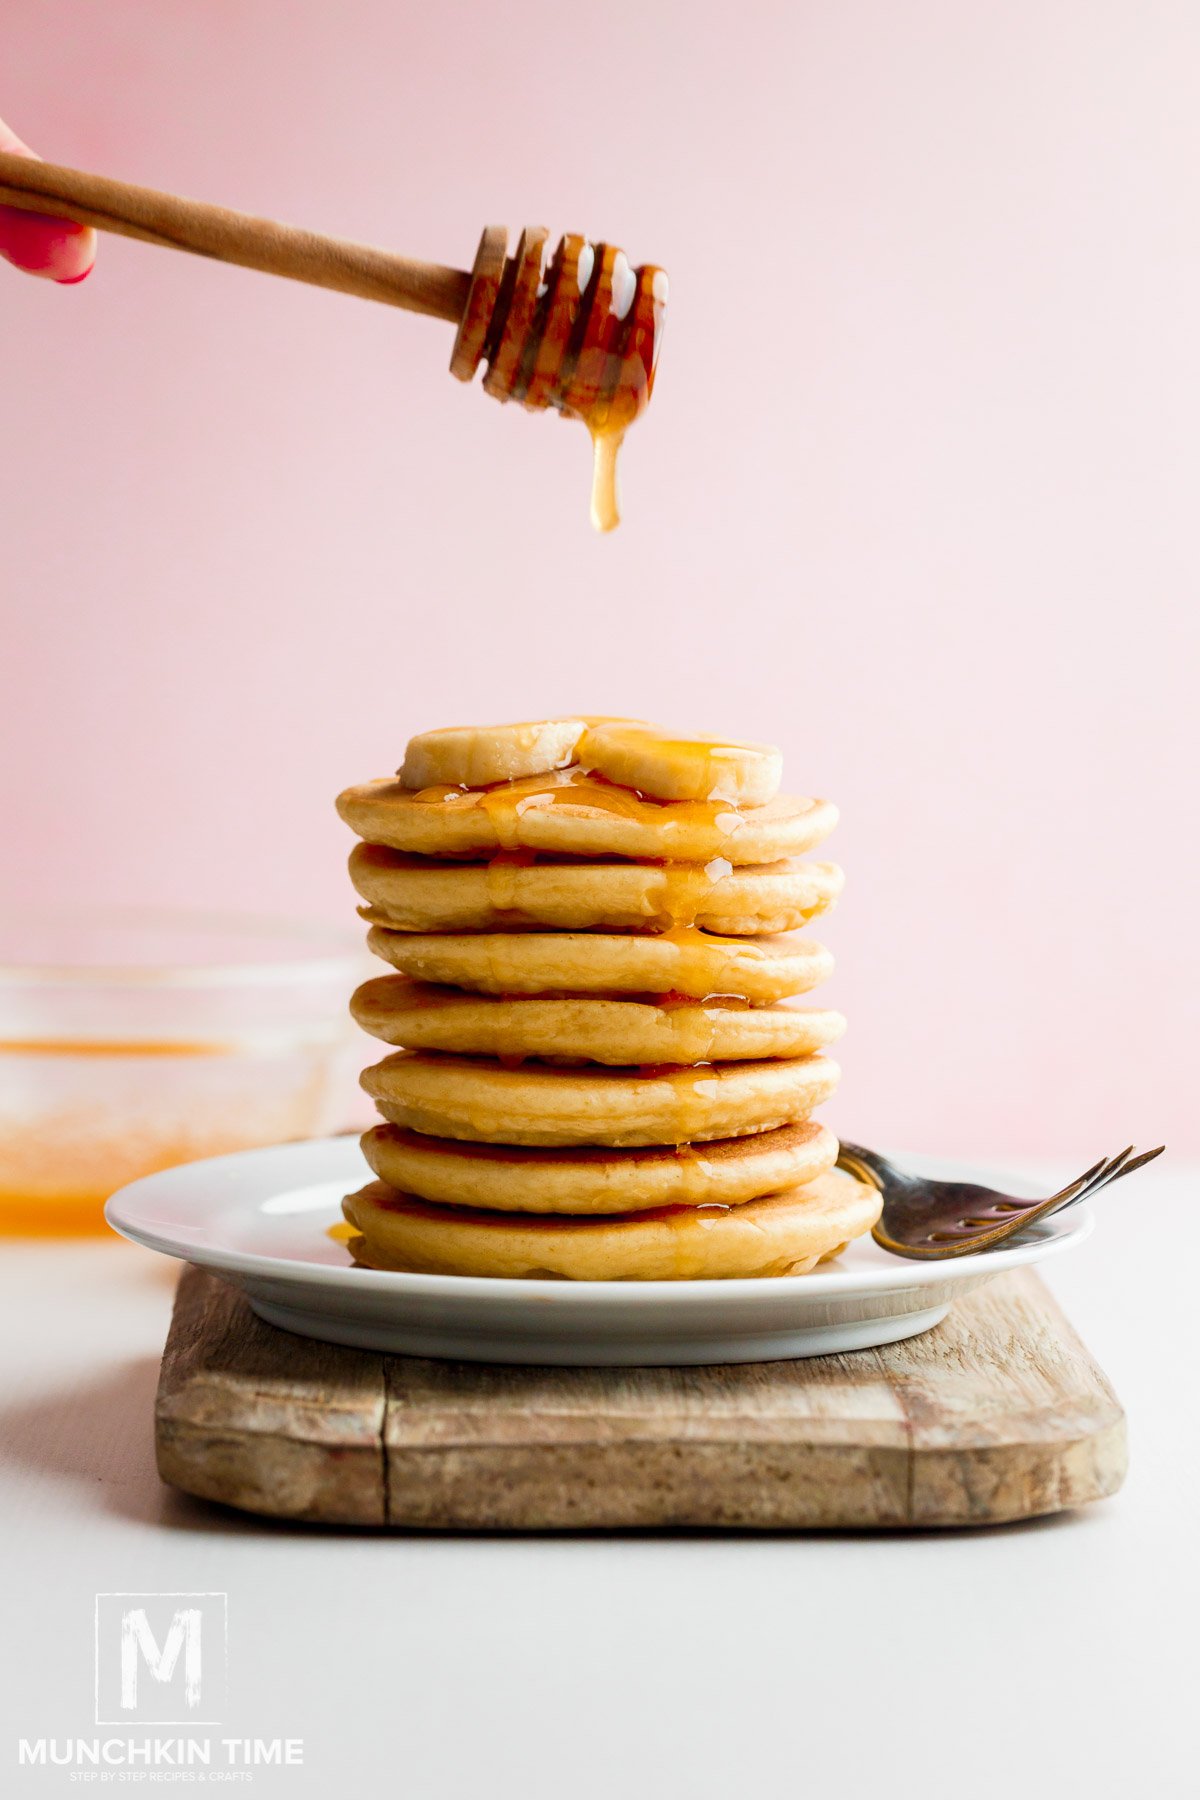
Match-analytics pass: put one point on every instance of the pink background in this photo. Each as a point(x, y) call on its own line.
point(917, 497)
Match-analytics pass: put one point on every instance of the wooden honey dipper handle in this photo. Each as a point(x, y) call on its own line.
point(233, 237)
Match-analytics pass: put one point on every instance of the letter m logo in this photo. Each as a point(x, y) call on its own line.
point(160, 1658)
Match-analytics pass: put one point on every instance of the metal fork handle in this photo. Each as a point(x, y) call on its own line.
point(869, 1166)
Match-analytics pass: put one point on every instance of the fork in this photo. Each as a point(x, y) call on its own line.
point(928, 1220)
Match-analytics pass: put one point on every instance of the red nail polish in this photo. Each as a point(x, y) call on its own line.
point(73, 280)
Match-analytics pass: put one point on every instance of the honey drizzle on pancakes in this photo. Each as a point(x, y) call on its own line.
point(678, 893)
point(691, 946)
point(685, 886)
point(505, 804)
point(685, 889)
point(501, 871)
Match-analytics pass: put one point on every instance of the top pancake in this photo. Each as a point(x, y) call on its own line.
point(572, 814)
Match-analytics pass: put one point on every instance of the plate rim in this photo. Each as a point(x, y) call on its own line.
point(832, 1282)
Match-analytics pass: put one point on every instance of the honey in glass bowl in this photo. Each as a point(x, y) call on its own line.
point(131, 1040)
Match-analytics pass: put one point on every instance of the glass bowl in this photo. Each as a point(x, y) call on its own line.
point(134, 1039)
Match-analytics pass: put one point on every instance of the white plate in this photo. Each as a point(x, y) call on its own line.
point(262, 1218)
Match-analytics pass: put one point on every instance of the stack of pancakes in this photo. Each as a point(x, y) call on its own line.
point(599, 1074)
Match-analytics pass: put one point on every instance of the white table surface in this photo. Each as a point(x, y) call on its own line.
point(666, 1665)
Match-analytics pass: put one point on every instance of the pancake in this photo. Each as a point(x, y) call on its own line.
point(481, 1100)
point(580, 1028)
point(507, 1178)
point(575, 815)
point(782, 1234)
point(415, 893)
point(686, 961)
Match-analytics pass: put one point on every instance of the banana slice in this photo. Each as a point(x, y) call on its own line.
point(682, 768)
point(475, 756)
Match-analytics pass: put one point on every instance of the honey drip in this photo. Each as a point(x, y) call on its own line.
point(696, 1173)
point(580, 332)
point(501, 874)
point(606, 490)
point(608, 361)
point(692, 1089)
point(686, 888)
point(692, 948)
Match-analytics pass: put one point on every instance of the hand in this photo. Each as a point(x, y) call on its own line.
point(56, 249)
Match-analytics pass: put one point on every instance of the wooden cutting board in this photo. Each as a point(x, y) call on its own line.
point(999, 1413)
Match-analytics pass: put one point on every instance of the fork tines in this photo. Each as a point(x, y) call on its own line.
point(1101, 1173)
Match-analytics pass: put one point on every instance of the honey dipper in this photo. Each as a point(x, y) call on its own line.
point(578, 331)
